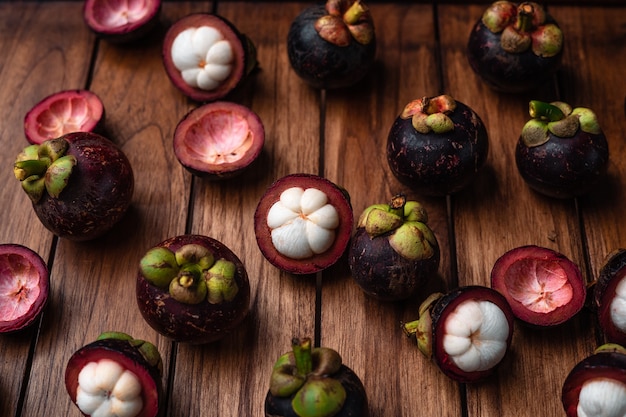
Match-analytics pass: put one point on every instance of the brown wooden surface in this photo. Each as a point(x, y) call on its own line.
point(45, 47)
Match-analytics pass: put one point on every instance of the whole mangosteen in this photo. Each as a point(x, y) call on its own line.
point(314, 382)
point(393, 251)
point(514, 48)
point(332, 45)
point(561, 152)
point(437, 145)
point(192, 289)
point(609, 297)
point(80, 184)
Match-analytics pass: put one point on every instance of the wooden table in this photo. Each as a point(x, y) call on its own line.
point(45, 47)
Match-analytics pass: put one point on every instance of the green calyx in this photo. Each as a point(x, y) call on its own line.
point(559, 119)
point(44, 168)
point(346, 20)
point(422, 328)
point(611, 348)
point(191, 274)
point(431, 114)
point(306, 373)
point(148, 350)
point(406, 221)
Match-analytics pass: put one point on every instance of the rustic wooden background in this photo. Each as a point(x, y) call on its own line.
point(45, 47)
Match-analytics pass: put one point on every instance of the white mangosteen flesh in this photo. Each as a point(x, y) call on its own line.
point(302, 223)
point(602, 397)
point(618, 306)
point(476, 334)
point(106, 389)
point(203, 56)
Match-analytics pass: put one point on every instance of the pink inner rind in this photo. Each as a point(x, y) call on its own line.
point(116, 15)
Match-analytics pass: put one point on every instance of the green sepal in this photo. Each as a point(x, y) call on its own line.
point(220, 279)
point(319, 397)
point(159, 266)
point(58, 174)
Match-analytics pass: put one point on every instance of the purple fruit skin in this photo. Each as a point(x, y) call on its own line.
point(564, 167)
point(320, 63)
point(504, 71)
point(437, 164)
point(97, 195)
point(383, 273)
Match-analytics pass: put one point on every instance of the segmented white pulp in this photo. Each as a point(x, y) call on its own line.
point(203, 57)
point(302, 222)
point(602, 397)
point(476, 334)
point(618, 306)
point(106, 389)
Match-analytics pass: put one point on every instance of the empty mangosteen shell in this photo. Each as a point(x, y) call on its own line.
point(446, 305)
point(130, 358)
point(194, 323)
point(611, 273)
point(337, 197)
point(92, 13)
point(564, 167)
point(542, 254)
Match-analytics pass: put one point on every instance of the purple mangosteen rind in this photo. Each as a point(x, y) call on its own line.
point(96, 14)
point(445, 305)
point(244, 51)
point(323, 63)
point(524, 60)
point(337, 196)
point(17, 260)
point(604, 363)
point(437, 163)
point(232, 155)
point(545, 257)
point(128, 353)
point(612, 272)
point(202, 322)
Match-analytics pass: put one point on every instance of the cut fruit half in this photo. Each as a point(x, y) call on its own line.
point(121, 20)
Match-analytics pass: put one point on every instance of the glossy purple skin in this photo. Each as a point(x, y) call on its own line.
point(98, 192)
point(611, 274)
point(564, 167)
point(383, 273)
point(438, 164)
point(504, 71)
point(320, 63)
point(356, 404)
point(194, 323)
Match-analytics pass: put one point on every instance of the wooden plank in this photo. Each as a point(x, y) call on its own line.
point(499, 213)
point(40, 59)
point(366, 331)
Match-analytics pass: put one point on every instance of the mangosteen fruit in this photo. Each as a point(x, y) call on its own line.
point(543, 287)
point(219, 140)
point(206, 57)
point(596, 386)
point(192, 289)
point(63, 112)
point(303, 223)
point(314, 382)
point(393, 251)
point(116, 375)
point(122, 21)
point(332, 45)
point(437, 145)
point(80, 184)
point(609, 297)
point(562, 152)
point(467, 331)
point(24, 287)
point(515, 47)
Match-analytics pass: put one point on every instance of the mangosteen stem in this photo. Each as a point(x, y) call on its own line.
point(545, 111)
point(354, 12)
point(396, 205)
point(302, 353)
point(525, 15)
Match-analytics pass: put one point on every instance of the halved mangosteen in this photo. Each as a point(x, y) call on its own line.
point(63, 112)
point(206, 57)
point(24, 287)
point(121, 21)
point(192, 289)
point(115, 375)
point(303, 223)
point(219, 140)
point(596, 386)
point(609, 297)
point(467, 331)
point(543, 287)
